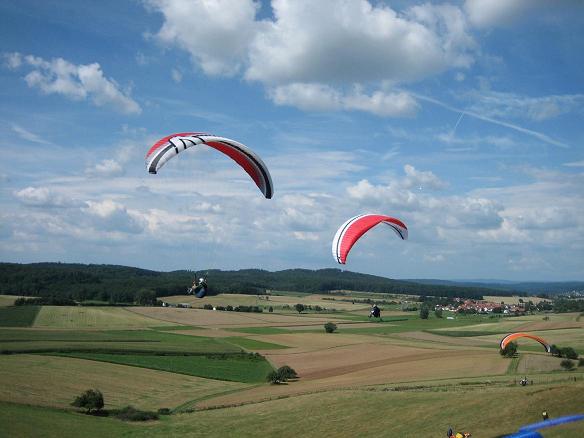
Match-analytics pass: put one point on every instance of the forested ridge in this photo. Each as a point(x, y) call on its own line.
point(120, 284)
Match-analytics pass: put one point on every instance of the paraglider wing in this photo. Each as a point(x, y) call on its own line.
point(352, 230)
point(171, 145)
point(513, 336)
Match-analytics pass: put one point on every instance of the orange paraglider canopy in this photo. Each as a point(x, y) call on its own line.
point(514, 336)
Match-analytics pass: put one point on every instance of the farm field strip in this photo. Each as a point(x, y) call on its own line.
point(441, 365)
point(56, 381)
point(235, 368)
point(92, 317)
point(222, 319)
point(347, 414)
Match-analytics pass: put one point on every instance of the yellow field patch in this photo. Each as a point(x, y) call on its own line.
point(538, 363)
point(56, 381)
point(513, 300)
point(72, 317)
point(217, 319)
point(8, 300)
point(277, 301)
point(405, 365)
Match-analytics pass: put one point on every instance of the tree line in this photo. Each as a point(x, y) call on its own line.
point(123, 284)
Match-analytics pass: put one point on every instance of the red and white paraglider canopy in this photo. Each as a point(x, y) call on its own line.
point(352, 230)
point(171, 145)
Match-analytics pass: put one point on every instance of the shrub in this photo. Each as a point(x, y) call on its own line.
point(438, 313)
point(286, 373)
point(581, 362)
point(90, 399)
point(208, 307)
point(568, 353)
point(567, 364)
point(164, 411)
point(229, 308)
point(273, 377)
point(424, 312)
point(330, 327)
point(270, 309)
point(299, 307)
point(130, 413)
point(509, 350)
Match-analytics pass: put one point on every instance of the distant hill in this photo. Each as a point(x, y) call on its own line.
point(120, 284)
point(530, 288)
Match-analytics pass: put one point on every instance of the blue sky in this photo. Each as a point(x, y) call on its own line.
point(462, 118)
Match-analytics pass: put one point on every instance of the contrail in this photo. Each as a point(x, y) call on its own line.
point(457, 122)
point(529, 132)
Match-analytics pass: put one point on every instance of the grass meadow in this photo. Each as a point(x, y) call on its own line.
point(399, 377)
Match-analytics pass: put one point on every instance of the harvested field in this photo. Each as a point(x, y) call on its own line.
point(350, 358)
point(462, 342)
point(56, 381)
point(216, 319)
point(306, 342)
point(513, 299)
point(538, 363)
point(75, 317)
point(407, 368)
point(267, 300)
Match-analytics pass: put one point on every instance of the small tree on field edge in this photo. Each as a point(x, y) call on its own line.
point(509, 350)
point(330, 327)
point(299, 307)
point(287, 372)
point(424, 312)
point(90, 399)
point(567, 364)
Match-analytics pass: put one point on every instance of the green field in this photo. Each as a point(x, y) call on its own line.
point(252, 344)
point(485, 412)
point(30, 341)
point(399, 377)
point(106, 318)
point(232, 367)
point(18, 316)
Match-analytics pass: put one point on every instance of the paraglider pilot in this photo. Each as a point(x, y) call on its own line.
point(199, 288)
point(375, 312)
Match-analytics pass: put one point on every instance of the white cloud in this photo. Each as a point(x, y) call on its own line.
point(106, 168)
point(310, 53)
point(176, 75)
point(354, 41)
point(319, 97)
point(575, 164)
point(215, 33)
point(43, 197)
point(76, 82)
point(486, 13)
point(421, 180)
point(112, 216)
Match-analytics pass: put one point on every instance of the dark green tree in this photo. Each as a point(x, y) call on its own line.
point(273, 377)
point(509, 350)
point(424, 312)
point(285, 372)
point(330, 327)
point(299, 307)
point(145, 297)
point(92, 399)
point(438, 312)
point(567, 364)
point(568, 353)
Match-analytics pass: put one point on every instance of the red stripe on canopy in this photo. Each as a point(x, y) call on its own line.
point(166, 139)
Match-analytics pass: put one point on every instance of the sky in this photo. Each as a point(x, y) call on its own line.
point(463, 119)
